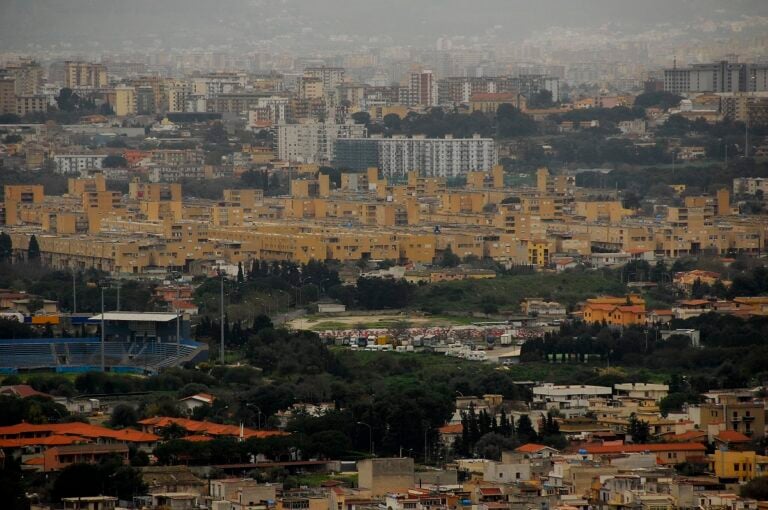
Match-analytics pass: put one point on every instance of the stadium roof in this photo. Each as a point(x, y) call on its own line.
point(136, 317)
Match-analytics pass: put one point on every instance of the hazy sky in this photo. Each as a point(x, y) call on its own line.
point(89, 24)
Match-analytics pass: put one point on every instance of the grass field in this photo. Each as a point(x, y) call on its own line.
point(315, 479)
point(558, 373)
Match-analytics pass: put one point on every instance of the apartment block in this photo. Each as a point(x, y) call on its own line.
point(84, 75)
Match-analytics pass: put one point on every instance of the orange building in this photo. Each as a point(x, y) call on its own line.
point(59, 457)
point(615, 311)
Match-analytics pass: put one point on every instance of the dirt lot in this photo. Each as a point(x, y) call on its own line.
point(328, 322)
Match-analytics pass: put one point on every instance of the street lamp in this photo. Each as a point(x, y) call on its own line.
point(258, 409)
point(370, 435)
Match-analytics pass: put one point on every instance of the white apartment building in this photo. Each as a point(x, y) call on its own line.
point(551, 396)
point(77, 163)
point(642, 390)
point(331, 77)
point(422, 89)
point(268, 109)
point(214, 84)
point(175, 173)
point(178, 92)
point(313, 142)
point(750, 186)
point(437, 157)
point(431, 157)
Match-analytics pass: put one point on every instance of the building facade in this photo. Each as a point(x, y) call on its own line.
point(433, 157)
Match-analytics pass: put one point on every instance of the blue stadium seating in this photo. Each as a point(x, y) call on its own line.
point(84, 354)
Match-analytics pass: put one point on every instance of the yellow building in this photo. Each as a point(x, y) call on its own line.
point(539, 252)
point(490, 102)
point(737, 466)
point(125, 101)
point(16, 195)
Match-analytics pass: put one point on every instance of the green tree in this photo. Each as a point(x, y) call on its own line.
point(67, 100)
point(12, 493)
point(361, 118)
point(6, 247)
point(77, 480)
point(113, 161)
point(216, 134)
point(34, 304)
point(491, 445)
point(511, 122)
point(756, 489)
point(525, 431)
point(330, 443)
point(541, 99)
point(638, 429)
point(33, 251)
point(123, 415)
point(392, 122)
point(449, 259)
point(662, 99)
point(172, 431)
point(9, 118)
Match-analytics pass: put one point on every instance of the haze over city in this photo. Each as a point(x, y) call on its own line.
point(383, 255)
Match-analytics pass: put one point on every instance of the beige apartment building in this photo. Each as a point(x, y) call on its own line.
point(152, 227)
point(84, 75)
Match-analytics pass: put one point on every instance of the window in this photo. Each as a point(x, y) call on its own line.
point(736, 467)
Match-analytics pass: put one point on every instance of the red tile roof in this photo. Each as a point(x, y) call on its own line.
point(81, 430)
point(531, 448)
point(490, 491)
point(207, 428)
point(694, 302)
point(457, 428)
point(197, 438)
point(732, 436)
point(55, 440)
point(640, 448)
point(688, 436)
point(22, 391)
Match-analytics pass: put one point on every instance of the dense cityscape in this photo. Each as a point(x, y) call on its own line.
point(383, 255)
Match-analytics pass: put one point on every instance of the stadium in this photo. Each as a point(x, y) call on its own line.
point(133, 342)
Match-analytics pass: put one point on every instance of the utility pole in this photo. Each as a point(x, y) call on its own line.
point(221, 354)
